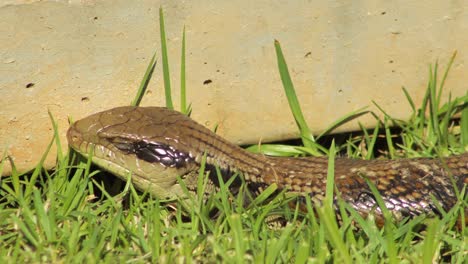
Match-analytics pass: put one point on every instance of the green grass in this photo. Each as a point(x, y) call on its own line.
point(72, 215)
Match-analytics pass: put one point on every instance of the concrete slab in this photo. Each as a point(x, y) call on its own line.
point(73, 58)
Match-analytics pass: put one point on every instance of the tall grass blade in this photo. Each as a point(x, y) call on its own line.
point(145, 81)
point(431, 243)
point(306, 134)
point(342, 120)
point(45, 223)
point(388, 137)
point(410, 100)
point(442, 82)
point(434, 102)
point(389, 226)
point(183, 94)
point(327, 216)
point(422, 111)
point(165, 61)
point(330, 175)
point(37, 170)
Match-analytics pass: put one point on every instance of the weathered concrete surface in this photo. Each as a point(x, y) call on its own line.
point(73, 58)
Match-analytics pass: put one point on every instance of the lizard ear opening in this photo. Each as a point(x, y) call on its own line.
point(152, 152)
point(123, 144)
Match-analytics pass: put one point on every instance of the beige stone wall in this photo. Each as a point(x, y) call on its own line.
point(73, 58)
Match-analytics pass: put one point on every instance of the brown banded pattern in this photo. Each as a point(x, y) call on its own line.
point(156, 145)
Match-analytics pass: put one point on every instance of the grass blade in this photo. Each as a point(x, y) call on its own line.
point(306, 134)
point(343, 120)
point(165, 61)
point(37, 170)
point(410, 100)
point(183, 94)
point(442, 82)
point(330, 175)
point(145, 81)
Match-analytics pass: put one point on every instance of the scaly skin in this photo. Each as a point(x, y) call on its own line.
point(156, 145)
